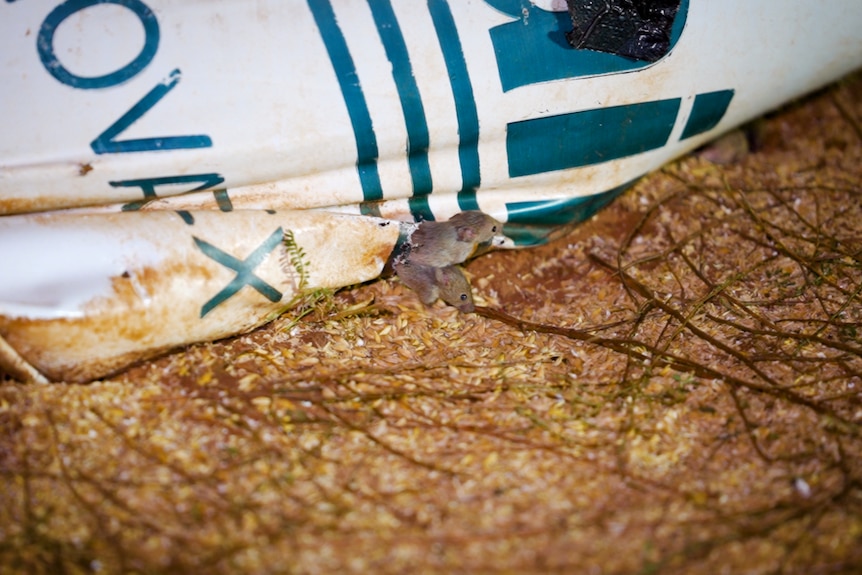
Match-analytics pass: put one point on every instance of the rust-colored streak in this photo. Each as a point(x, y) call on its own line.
point(131, 322)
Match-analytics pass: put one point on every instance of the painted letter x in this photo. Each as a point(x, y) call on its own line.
point(244, 270)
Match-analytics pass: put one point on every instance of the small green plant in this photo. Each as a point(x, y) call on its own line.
point(306, 300)
point(297, 259)
point(319, 299)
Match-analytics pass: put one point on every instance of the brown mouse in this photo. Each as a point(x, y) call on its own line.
point(447, 283)
point(440, 244)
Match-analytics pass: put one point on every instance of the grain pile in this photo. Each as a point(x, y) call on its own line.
point(682, 395)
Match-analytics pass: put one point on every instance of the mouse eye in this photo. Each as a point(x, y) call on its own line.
point(463, 297)
point(494, 229)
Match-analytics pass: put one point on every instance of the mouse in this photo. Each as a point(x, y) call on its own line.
point(430, 283)
point(440, 244)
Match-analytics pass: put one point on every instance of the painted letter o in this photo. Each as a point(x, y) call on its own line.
point(45, 44)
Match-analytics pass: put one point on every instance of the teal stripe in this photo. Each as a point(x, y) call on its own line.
point(223, 200)
point(420, 209)
point(706, 112)
point(535, 222)
point(465, 102)
point(370, 209)
point(408, 93)
point(588, 137)
point(354, 99)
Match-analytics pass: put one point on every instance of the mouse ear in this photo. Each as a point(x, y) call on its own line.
point(465, 233)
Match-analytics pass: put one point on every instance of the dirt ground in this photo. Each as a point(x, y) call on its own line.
point(681, 395)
